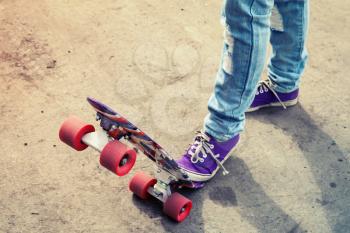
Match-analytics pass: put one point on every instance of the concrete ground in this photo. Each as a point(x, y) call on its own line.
point(155, 62)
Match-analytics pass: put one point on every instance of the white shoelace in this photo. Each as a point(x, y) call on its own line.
point(202, 146)
point(265, 86)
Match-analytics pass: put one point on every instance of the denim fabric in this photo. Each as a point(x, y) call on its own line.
point(246, 34)
point(289, 53)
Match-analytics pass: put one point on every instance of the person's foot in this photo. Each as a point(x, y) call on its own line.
point(267, 97)
point(205, 156)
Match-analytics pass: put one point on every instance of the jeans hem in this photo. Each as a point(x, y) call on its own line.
point(281, 89)
point(284, 90)
point(219, 137)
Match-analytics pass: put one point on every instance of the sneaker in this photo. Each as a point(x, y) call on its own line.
point(267, 97)
point(205, 156)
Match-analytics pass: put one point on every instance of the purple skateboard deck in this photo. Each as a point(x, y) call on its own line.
point(119, 127)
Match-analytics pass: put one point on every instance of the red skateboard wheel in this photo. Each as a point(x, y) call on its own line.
point(72, 131)
point(118, 158)
point(177, 207)
point(140, 183)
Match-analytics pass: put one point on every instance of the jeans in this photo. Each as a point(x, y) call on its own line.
point(247, 31)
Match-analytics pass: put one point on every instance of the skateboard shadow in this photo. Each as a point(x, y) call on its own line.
point(237, 189)
point(325, 158)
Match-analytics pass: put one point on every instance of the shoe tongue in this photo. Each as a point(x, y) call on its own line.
point(213, 140)
point(209, 137)
point(197, 141)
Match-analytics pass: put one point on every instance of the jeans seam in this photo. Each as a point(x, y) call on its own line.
point(301, 37)
point(300, 32)
point(250, 55)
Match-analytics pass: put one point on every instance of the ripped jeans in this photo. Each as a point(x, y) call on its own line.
point(247, 30)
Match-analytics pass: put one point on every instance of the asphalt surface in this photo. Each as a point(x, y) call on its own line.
point(155, 62)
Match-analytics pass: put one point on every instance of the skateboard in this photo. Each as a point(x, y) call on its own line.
point(118, 143)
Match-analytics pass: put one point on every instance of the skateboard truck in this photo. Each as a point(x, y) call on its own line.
point(162, 189)
point(97, 140)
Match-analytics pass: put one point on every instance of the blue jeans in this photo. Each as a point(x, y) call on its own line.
point(247, 31)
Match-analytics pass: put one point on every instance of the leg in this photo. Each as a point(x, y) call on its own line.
point(245, 38)
point(289, 53)
point(288, 58)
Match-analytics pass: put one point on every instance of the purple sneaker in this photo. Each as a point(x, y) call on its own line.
point(267, 97)
point(205, 156)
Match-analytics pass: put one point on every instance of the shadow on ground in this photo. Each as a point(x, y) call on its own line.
point(327, 161)
point(239, 189)
point(236, 189)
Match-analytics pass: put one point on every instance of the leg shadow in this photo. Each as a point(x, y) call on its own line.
point(240, 189)
point(326, 160)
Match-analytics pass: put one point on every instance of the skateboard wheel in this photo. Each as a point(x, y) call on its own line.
point(140, 183)
point(177, 207)
point(72, 131)
point(118, 158)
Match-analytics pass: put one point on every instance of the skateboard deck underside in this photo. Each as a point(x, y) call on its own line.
point(117, 126)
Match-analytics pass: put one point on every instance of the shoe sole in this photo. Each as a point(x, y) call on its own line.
point(276, 104)
point(197, 177)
